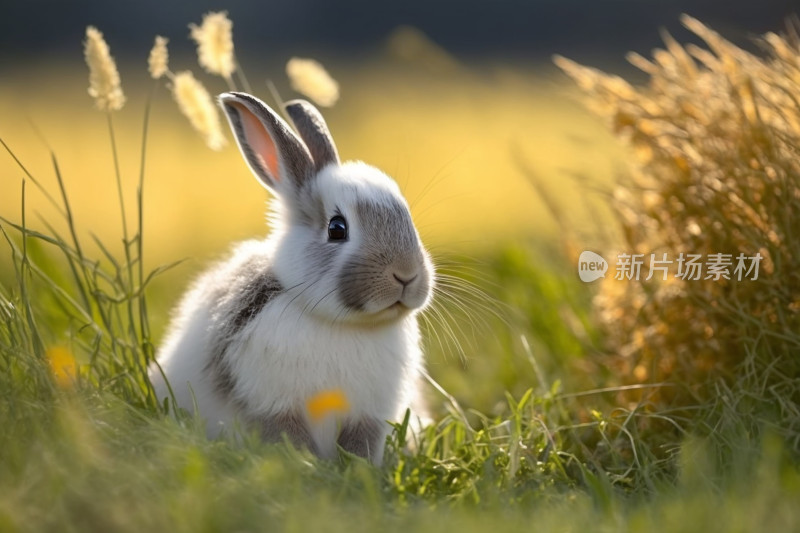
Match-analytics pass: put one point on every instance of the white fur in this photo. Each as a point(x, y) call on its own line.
point(375, 368)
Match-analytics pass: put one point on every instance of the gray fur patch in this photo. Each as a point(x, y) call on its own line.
point(389, 239)
point(252, 298)
point(362, 438)
point(236, 308)
point(292, 425)
point(309, 210)
point(311, 126)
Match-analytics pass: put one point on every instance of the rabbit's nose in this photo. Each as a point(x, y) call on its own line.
point(405, 280)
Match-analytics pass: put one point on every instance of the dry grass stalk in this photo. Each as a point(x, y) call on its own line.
point(158, 61)
point(196, 104)
point(310, 78)
point(104, 82)
point(716, 169)
point(214, 38)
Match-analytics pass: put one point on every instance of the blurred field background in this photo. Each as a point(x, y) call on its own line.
point(463, 140)
point(447, 137)
point(509, 177)
point(444, 107)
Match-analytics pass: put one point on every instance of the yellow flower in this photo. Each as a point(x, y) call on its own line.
point(158, 61)
point(196, 104)
point(104, 82)
point(327, 402)
point(214, 38)
point(62, 365)
point(310, 78)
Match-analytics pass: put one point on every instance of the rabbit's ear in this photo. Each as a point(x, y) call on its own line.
point(274, 153)
point(311, 126)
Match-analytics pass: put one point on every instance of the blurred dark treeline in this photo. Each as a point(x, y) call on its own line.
point(591, 31)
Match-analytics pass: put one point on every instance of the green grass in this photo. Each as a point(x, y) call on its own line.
point(99, 465)
point(97, 456)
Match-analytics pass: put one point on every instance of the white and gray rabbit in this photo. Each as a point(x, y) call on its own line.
point(327, 302)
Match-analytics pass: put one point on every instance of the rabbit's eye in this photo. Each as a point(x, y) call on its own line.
point(337, 229)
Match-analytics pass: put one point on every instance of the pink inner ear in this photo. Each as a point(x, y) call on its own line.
point(260, 141)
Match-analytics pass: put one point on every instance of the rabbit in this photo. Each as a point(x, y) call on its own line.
point(327, 302)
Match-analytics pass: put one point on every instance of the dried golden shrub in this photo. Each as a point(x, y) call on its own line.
point(715, 169)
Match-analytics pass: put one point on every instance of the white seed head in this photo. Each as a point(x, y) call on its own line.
point(214, 38)
point(104, 82)
point(310, 78)
point(197, 105)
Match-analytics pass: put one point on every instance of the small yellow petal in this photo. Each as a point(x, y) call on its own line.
point(62, 365)
point(327, 402)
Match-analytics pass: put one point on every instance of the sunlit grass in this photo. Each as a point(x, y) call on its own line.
point(715, 169)
point(526, 432)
